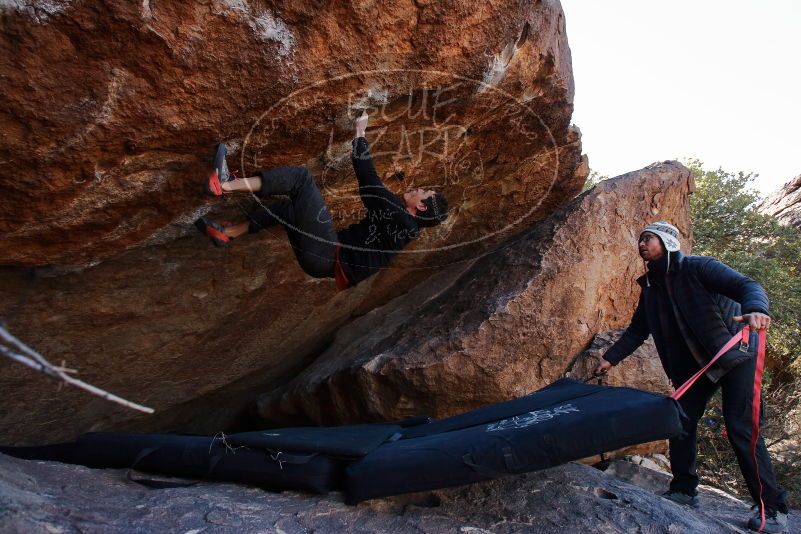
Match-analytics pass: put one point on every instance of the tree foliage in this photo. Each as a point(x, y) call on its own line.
point(727, 224)
point(593, 179)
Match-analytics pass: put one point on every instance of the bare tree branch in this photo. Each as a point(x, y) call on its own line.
point(19, 352)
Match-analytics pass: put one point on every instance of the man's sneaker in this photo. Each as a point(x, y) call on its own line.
point(682, 498)
point(775, 522)
point(219, 174)
point(215, 232)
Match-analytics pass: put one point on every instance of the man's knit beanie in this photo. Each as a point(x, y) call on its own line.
point(668, 233)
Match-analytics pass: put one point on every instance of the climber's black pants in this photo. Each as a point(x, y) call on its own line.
point(304, 216)
point(737, 387)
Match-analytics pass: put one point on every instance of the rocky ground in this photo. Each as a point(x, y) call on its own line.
point(50, 497)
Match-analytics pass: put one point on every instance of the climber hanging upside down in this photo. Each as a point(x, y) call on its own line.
point(350, 255)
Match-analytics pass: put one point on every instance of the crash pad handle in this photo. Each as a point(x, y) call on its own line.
point(163, 484)
point(508, 460)
point(293, 459)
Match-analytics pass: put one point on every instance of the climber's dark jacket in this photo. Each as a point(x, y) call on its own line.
point(704, 295)
point(385, 230)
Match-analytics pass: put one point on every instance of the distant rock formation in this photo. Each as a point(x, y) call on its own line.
point(785, 204)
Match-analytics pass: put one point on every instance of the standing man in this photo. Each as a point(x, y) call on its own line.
point(692, 305)
point(350, 255)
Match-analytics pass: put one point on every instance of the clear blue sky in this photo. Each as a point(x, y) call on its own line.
point(712, 79)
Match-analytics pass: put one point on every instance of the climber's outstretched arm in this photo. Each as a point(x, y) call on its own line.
point(372, 190)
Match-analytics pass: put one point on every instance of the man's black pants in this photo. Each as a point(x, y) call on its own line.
point(737, 387)
point(304, 216)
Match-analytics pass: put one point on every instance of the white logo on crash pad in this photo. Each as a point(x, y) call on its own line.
point(531, 418)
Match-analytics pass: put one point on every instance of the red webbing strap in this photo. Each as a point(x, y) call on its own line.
point(340, 277)
point(741, 337)
point(760, 367)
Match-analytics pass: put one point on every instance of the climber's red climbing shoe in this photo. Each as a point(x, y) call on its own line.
point(219, 174)
point(215, 231)
point(213, 186)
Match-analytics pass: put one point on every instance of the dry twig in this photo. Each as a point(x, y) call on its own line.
point(19, 352)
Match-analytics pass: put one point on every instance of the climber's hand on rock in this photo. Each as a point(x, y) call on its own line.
point(602, 368)
point(756, 320)
point(361, 124)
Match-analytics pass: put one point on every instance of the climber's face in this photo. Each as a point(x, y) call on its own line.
point(650, 246)
point(413, 198)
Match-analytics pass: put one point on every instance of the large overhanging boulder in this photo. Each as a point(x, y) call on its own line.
point(502, 325)
point(109, 113)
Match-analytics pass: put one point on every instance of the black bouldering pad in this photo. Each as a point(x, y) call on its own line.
point(349, 441)
point(195, 457)
point(570, 421)
point(559, 391)
point(565, 421)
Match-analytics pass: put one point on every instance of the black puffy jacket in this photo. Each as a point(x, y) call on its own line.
point(705, 295)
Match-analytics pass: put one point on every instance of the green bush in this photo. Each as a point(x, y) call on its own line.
point(728, 225)
point(593, 179)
